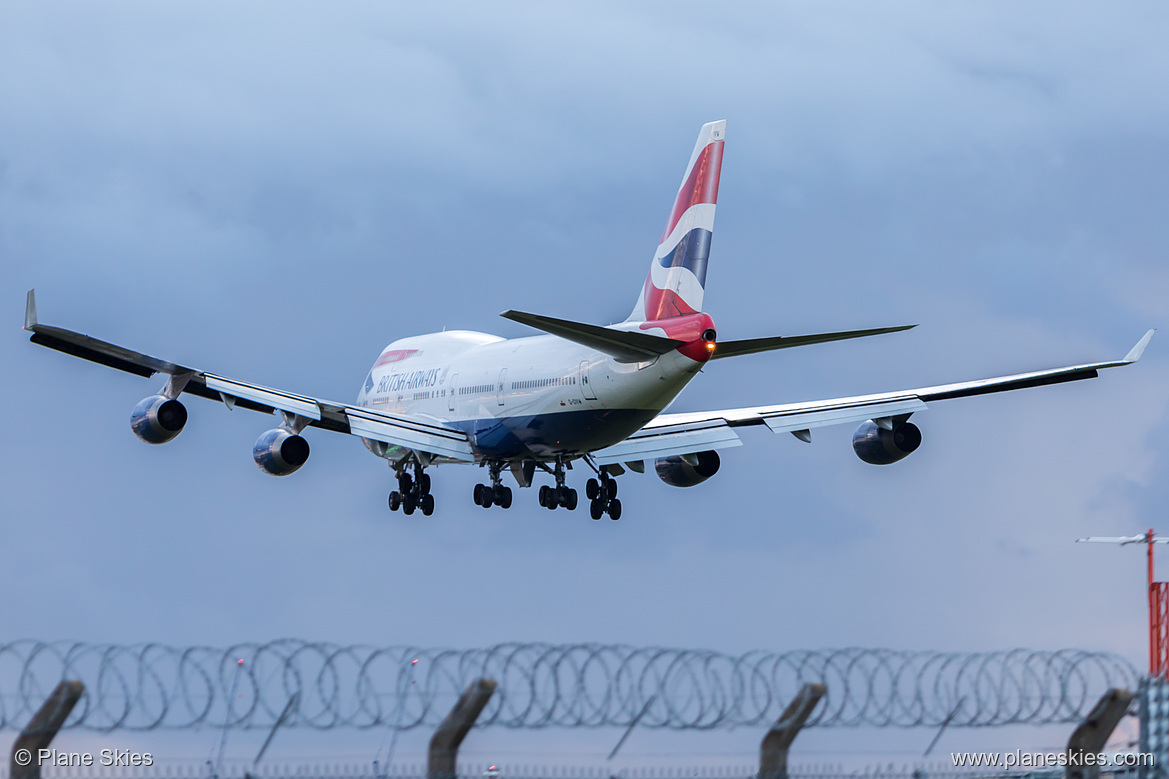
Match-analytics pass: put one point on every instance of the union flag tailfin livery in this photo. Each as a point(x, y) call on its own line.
point(677, 276)
point(579, 393)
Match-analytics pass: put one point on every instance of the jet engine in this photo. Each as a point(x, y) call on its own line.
point(878, 446)
point(280, 452)
point(686, 470)
point(157, 419)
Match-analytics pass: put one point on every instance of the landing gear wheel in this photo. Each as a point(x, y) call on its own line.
point(395, 500)
point(424, 484)
point(427, 505)
point(592, 489)
point(504, 498)
point(544, 490)
point(408, 505)
point(610, 490)
point(479, 494)
point(596, 509)
point(614, 509)
point(569, 499)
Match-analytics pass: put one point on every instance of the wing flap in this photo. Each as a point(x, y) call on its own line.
point(843, 414)
point(196, 387)
point(650, 444)
point(426, 438)
point(285, 401)
point(799, 416)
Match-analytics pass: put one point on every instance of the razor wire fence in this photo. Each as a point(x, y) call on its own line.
point(323, 686)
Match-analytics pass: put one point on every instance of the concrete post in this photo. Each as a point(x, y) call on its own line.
point(773, 751)
point(444, 744)
point(41, 729)
point(1092, 734)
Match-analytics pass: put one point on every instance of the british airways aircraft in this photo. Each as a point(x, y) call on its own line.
point(580, 394)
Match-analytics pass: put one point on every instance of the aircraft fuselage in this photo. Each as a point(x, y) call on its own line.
point(540, 397)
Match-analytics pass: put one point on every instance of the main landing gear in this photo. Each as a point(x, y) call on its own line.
point(601, 494)
point(496, 494)
point(603, 497)
point(413, 493)
point(554, 497)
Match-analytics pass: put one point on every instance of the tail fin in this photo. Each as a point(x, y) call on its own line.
point(677, 275)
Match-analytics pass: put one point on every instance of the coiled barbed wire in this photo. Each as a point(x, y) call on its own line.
point(152, 686)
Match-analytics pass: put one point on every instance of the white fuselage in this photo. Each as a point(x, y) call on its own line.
point(540, 397)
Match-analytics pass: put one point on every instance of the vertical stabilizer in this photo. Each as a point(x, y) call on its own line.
point(677, 274)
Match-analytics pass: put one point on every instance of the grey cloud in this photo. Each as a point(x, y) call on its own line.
point(278, 196)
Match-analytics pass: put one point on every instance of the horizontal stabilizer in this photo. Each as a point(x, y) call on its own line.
point(755, 345)
point(621, 345)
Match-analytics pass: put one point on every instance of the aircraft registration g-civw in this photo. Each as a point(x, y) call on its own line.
point(581, 393)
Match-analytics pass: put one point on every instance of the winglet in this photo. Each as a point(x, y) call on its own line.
point(1135, 353)
point(30, 310)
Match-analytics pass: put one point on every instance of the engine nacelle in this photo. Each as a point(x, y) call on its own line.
point(686, 470)
point(878, 446)
point(157, 419)
point(280, 452)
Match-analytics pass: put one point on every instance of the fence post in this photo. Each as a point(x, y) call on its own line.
point(1154, 713)
point(41, 729)
point(1092, 734)
point(444, 744)
point(773, 751)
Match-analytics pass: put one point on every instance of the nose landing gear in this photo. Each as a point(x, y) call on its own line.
point(413, 492)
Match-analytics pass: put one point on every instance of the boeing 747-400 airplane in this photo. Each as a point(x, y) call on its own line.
point(580, 393)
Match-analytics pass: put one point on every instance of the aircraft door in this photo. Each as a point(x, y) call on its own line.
point(585, 386)
point(502, 384)
point(452, 388)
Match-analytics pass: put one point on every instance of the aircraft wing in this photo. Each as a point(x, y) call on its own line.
point(687, 433)
point(430, 437)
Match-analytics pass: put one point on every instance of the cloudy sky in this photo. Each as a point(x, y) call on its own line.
point(275, 192)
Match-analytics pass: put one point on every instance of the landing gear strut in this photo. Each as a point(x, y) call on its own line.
point(560, 495)
point(413, 492)
point(603, 497)
point(496, 494)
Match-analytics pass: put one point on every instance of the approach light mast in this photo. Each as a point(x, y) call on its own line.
point(1158, 600)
